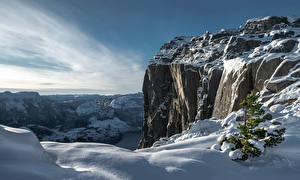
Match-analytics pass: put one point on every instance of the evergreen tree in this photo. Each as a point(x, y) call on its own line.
point(251, 136)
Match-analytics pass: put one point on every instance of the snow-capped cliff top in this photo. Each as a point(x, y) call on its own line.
point(291, 18)
point(258, 38)
point(258, 19)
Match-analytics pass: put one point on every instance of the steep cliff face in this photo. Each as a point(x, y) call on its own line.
point(171, 98)
point(194, 78)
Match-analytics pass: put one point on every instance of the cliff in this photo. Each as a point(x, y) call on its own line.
point(195, 78)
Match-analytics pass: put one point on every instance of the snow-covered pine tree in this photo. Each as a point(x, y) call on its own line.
point(254, 134)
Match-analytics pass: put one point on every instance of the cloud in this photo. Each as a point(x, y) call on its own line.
point(39, 50)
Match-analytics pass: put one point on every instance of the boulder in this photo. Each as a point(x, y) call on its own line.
point(286, 46)
point(296, 74)
point(283, 35)
point(265, 70)
point(285, 67)
point(262, 25)
point(237, 46)
point(277, 86)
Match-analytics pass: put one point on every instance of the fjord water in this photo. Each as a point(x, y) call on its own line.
point(129, 140)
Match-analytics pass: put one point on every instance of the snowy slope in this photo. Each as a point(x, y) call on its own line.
point(190, 155)
point(22, 157)
point(191, 158)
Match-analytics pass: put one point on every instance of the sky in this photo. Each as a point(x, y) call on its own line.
point(104, 46)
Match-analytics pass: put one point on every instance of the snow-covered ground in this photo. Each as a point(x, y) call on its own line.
point(190, 155)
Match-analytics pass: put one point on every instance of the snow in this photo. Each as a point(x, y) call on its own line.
point(19, 95)
point(196, 153)
point(114, 123)
point(216, 147)
point(71, 118)
point(291, 92)
point(196, 129)
point(258, 144)
point(233, 66)
point(221, 138)
point(258, 19)
point(123, 102)
point(226, 146)
point(15, 101)
point(188, 156)
point(293, 18)
point(236, 154)
point(275, 45)
point(23, 157)
point(277, 108)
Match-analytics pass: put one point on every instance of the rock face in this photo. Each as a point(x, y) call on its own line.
point(171, 98)
point(195, 78)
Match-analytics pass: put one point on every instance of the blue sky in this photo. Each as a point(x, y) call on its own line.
point(90, 46)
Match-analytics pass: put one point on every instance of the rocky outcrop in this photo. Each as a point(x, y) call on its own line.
point(262, 25)
point(237, 46)
point(194, 78)
point(252, 76)
point(171, 97)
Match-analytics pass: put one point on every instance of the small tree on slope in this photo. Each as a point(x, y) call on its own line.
point(255, 134)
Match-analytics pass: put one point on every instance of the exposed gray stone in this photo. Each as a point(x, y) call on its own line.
point(287, 46)
point(276, 86)
point(296, 74)
point(238, 46)
point(283, 35)
point(190, 93)
point(171, 98)
point(262, 25)
point(265, 70)
point(285, 67)
point(267, 116)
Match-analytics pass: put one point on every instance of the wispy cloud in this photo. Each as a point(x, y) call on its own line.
point(41, 50)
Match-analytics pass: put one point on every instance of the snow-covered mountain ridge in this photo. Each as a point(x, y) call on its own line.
point(71, 118)
point(209, 75)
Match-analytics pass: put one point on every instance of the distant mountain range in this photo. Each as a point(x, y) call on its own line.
point(72, 118)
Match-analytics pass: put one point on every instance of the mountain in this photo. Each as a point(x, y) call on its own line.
point(71, 118)
point(192, 91)
point(196, 78)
